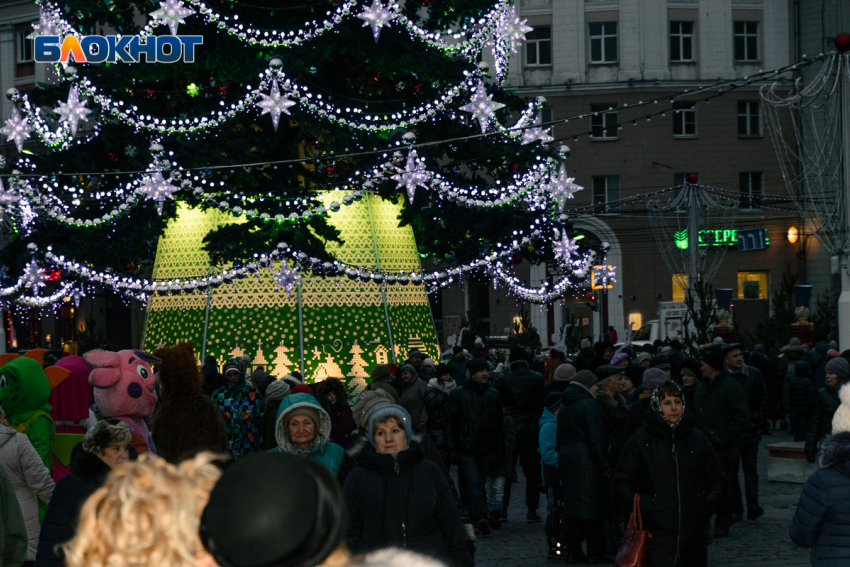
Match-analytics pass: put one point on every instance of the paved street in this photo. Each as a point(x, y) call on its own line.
point(763, 543)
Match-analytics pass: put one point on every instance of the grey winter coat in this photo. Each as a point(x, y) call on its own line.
point(722, 413)
point(583, 456)
point(30, 479)
point(822, 519)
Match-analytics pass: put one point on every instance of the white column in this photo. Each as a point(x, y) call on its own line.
point(776, 38)
point(569, 40)
point(716, 53)
point(538, 316)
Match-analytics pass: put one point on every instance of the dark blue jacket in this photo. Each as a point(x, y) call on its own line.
point(801, 396)
point(822, 519)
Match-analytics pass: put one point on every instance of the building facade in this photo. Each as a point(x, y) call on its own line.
point(589, 59)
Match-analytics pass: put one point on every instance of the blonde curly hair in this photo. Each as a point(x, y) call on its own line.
point(146, 514)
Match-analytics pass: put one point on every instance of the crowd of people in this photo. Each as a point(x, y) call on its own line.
point(369, 477)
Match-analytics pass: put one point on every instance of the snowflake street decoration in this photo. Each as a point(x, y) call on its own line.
point(73, 111)
point(287, 278)
point(274, 104)
point(512, 30)
point(530, 135)
point(155, 187)
point(45, 26)
point(7, 198)
point(606, 275)
point(482, 106)
point(565, 248)
point(17, 129)
point(377, 15)
point(33, 276)
point(563, 186)
point(412, 175)
point(171, 13)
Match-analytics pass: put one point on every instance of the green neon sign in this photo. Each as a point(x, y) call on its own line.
point(727, 237)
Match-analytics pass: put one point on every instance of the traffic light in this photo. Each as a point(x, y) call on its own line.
point(592, 303)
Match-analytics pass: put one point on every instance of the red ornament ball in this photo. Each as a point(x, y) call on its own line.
point(693, 178)
point(516, 259)
point(842, 42)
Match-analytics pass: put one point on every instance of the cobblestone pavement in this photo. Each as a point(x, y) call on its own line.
point(762, 543)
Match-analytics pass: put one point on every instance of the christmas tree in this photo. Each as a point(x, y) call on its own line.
point(379, 101)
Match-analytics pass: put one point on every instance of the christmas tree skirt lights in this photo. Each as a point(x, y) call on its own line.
point(347, 327)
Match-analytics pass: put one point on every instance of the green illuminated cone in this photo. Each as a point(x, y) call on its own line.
point(345, 327)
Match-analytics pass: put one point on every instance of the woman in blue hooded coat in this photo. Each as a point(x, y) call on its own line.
point(303, 429)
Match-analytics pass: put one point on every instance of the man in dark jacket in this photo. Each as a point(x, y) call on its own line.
point(457, 365)
point(523, 391)
point(826, 402)
point(722, 414)
point(818, 357)
point(755, 389)
point(770, 372)
point(474, 421)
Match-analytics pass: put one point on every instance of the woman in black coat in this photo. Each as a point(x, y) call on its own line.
point(583, 466)
point(105, 445)
point(675, 470)
point(395, 498)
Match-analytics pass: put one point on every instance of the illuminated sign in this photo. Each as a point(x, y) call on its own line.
point(728, 237)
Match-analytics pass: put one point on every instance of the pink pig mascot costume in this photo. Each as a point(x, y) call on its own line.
point(124, 388)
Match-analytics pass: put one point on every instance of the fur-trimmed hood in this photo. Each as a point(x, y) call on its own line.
point(835, 451)
point(288, 404)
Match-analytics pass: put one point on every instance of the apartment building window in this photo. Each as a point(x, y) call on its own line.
point(24, 63)
point(685, 121)
point(603, 121)
point(603, 42)
point(752, 285)
point(746, 41)
point(538, 46)
point(681, 41)
point(752, 188)
point(749, 119)
point(606, 193)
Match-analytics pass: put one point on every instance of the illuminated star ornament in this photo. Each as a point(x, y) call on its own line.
point(482, 107)
point(155, 187)
point(377, 15)
point(73, 111)
point(287, 278)
point(563, 186)
point(7, 198)
point(274, 104)
point(606, 275)
point(171, 13)
point(512, 30)
point(33, 276)
point(17, 129)
point(530, 135)
point(412, 176)
point(565, 248)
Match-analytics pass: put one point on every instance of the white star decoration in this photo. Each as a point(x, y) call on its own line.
point(171, 14)
point(512, 30)
point(7, 198)
point(287, 278)
point(73, 111)
point(529, 135)
point(274, 104)
point(482, 106)
point(412, 175)
point(606, 275)
point(565, 248)
point(155, 187)
point(563, 186)
point(377, 15)
point(33, 276)
point(17, 128)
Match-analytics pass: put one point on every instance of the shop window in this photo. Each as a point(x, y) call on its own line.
point(752, 285)
point(680, 284)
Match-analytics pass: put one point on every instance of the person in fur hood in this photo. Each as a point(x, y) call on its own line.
point(822, 519)
point(187, 422)
point(333, 396)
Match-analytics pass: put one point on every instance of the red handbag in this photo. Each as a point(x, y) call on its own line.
point(634, 551)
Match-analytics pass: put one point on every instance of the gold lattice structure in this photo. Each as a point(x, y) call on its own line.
point(346, 330)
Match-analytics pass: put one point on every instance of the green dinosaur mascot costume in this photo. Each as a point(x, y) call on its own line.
point(24, 391)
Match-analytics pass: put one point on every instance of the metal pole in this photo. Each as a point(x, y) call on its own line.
point(206, 324)
point(300, 328)
point(369, 198)
point(844, 299)
point(693, 237)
